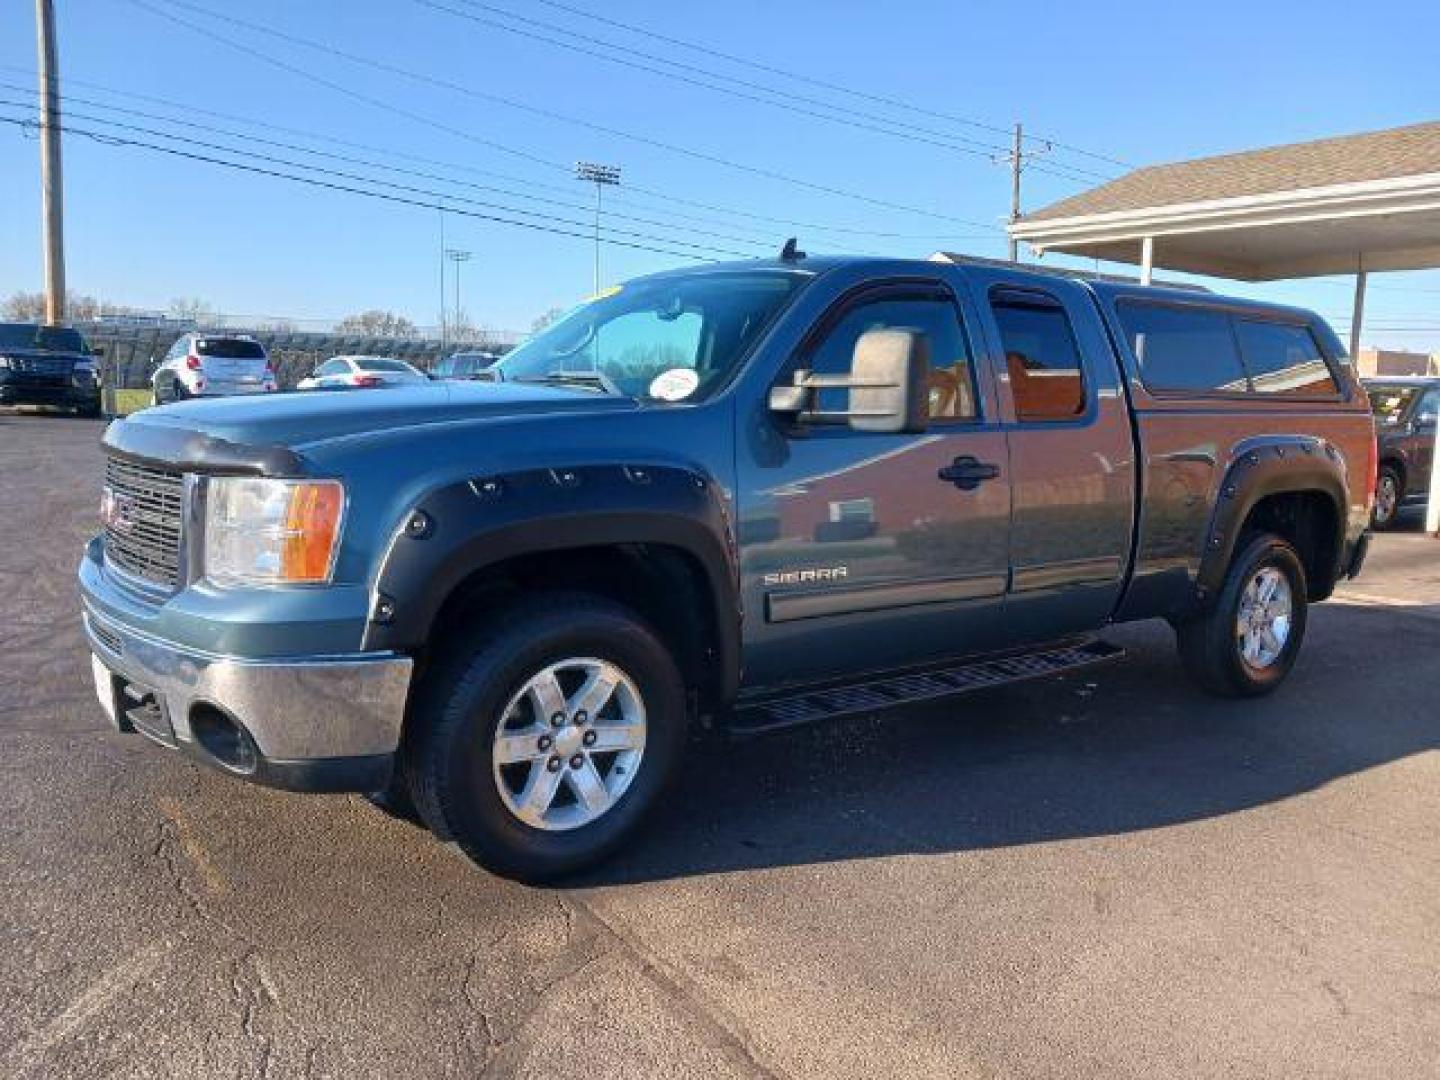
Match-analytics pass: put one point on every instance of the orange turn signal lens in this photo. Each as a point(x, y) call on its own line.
point(312, 527)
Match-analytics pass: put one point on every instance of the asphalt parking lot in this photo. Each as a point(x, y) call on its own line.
point(1105, 875)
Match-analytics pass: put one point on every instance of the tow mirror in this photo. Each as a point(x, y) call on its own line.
point(887, 384)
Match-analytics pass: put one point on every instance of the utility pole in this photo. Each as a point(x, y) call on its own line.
point(442, 281)
point(52, 188)
point(457, 256)
point(1016, 159)
point(600, 176)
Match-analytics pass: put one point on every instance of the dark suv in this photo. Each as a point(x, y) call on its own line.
point(1405, 411)
point(47, 365)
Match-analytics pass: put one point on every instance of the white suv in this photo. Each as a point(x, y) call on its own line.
point(213, 365)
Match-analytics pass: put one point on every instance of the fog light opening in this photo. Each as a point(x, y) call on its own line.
point(224, 738)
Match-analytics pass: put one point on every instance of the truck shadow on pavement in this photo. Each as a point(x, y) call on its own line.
point(1126, 747)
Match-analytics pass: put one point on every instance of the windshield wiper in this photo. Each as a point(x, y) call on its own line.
point(597, 380)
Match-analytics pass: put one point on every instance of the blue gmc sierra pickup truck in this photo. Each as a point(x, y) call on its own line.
point(750, 494)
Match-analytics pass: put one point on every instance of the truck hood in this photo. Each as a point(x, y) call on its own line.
point(270, 432)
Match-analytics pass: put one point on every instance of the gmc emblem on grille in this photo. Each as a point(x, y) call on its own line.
point(117, 511)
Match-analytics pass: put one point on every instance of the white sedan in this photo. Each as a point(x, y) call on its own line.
point(361, 371)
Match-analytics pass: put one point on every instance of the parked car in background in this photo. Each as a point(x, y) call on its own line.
point(48, 365)
point(1405, 413)
point(758, 494)
point(465, 365)
point(340, 372)
point(213, 365)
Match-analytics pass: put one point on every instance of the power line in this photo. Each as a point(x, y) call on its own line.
point(112, 140)
point(340, 174)
point(349, 159)
point(730, 212)
point(823, 84)
point(686, 74)
point(626, 196)
point(431, 80)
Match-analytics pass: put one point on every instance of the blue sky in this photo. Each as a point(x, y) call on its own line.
point(1131, 81)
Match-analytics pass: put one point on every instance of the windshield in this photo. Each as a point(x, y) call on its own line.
point(1389, 403)
point(31, 336)
point(673, 337)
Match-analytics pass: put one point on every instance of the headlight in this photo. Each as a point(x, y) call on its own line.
point(4, 363)
point(272, 532)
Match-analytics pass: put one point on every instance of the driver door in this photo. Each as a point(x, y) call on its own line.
point(865, 551)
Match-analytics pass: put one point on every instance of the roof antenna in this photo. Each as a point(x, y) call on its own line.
point(791, 252)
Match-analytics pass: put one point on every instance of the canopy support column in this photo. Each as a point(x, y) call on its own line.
point(1357, 316)
point(1147, 259)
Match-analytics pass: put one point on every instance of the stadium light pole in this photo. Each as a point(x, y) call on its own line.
point(457, 256)
point(601, 176)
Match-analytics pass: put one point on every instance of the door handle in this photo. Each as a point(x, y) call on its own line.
point(967, 473)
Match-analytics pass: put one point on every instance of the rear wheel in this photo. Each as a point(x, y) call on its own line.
point(1247, 643)
point(540, 747)
point(1387, 498)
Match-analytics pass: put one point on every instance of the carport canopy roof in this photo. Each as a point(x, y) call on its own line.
point(1369, 201)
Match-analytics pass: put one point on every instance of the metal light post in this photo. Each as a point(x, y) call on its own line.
point(600, 176)
point(457, 256)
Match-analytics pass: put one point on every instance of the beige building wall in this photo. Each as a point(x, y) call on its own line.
point(1373, 362)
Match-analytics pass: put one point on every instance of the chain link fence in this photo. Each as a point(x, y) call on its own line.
point(131, 351)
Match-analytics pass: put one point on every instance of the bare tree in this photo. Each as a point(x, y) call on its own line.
point(30, 307)
point(464, 332)
point(377, 323)
point(543, 320)
point(193, 309)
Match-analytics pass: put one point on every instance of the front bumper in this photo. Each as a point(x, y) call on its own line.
point(17, 390)
point(311, 723)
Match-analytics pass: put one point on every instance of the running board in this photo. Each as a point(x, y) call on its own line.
point(887, 692)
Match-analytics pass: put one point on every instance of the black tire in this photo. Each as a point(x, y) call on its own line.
point(1209, 645)
point(1387, 509)
point(447, 753)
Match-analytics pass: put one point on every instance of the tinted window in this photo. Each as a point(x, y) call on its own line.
point(376, 363)
point(230, 349)
point(1046, 376)
point(1429, 408)
point(951, 385)
point(332, 367)
point(1182, 349)
point(1389, 403)
point(1282, 358)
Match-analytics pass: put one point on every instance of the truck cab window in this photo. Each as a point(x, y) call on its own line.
point(951, 381)
point(1047, 377)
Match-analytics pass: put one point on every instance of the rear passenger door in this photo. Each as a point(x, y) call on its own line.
point(1071, 450)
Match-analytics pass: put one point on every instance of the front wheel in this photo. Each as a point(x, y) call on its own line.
point(1247, 643)
point(540, 746)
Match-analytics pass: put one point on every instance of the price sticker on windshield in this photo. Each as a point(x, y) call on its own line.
point(677, 384)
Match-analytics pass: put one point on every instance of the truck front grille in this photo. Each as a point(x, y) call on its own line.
point(41, 365)
point(144, 511)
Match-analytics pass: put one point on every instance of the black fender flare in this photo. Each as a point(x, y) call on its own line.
point(457, 530)
point(1261, 467)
